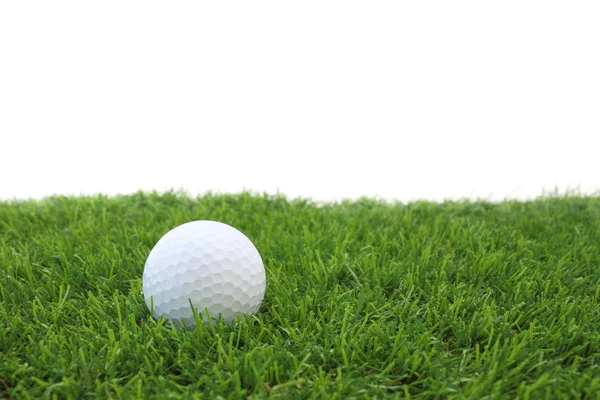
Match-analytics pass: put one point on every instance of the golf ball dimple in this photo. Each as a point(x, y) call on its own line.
point(209, 264)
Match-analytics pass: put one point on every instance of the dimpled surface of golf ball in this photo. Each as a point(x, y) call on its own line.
point(209, 264)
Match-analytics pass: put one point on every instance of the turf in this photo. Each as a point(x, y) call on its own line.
point(364, 300)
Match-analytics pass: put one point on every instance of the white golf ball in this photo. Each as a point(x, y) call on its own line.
point(205, 264)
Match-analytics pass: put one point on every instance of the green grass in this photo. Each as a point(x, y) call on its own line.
point(364, 300)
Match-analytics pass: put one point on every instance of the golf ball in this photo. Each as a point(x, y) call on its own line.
point(207, 265)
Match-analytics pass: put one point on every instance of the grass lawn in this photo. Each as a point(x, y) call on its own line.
point(364, 300)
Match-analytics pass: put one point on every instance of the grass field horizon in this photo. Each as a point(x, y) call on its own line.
point(365, 299)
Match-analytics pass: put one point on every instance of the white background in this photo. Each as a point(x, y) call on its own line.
point(399, 100)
